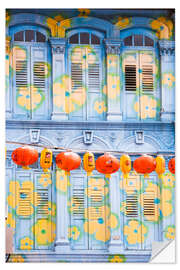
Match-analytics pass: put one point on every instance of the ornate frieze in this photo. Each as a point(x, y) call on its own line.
point(58, 45)
point(166, 47)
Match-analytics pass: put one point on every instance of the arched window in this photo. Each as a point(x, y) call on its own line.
point(140, 71)
point(31, 73)
point(85, 68)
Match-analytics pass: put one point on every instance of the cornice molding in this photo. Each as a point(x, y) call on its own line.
point(113, 46)
point(167, 47)
point(58, 45)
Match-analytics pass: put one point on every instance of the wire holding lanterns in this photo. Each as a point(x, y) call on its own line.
point(106, 164)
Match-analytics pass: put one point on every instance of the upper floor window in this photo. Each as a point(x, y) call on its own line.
point(31, 74)
point(138, 40)
point(29, 36)
point(85, 68)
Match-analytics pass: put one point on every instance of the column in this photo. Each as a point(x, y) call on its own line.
point(114, 112)
point(7, 82)
point(58, 76)
point(167, 72)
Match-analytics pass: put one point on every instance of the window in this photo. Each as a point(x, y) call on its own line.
point(139, 65)
point(31, 74)
point(86, 71)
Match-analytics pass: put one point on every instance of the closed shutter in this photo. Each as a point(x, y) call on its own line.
point(43, 229)
point(77, 236)
point(39, 83)
point(21, 82)
point(24, 208)
point(147, 72)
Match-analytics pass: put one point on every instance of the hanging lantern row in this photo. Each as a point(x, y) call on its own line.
point(106, 164)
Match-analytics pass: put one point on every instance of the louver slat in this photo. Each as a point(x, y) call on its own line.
point(147, 78)
point(130, 77)
point(76, 76)
point(78, 203)
point(24, 202)
point(93, 77)
point(39, 75)
point(42, 202)
point(21, 73)
point(131, 205)
point(148, 205)
point(96, 197)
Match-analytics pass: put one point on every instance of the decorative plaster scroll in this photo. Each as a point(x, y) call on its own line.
point(113, 46)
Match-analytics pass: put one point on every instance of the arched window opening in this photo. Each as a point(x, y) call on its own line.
point(29, 36)
point(84, 38)
point(138, 40)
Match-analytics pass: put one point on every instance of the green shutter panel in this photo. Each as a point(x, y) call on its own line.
point(44, 227)
point(39, 83)
point(78, 205)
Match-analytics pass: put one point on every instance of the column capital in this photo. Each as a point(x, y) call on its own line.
point(167, 47)
point(113, 46)
point(58, 45)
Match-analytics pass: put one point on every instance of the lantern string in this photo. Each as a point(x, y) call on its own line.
point(91, 150)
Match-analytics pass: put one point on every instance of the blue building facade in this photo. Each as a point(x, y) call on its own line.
point(87, 79)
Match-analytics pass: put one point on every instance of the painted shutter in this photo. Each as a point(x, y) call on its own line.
point(39, 83)
point(21, 82)
point(97, 213)
point(150, 214)
point(78, 204)
point(131, 85)
point(24, 208)
point(132, 211)
point(43, 229)
point(93, 58)
point(78, 92)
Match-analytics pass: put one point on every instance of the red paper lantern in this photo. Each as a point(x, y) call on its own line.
point(144, 165)
point(171, 165)
point(68, 161)
point(24, 156)
point(107, 164)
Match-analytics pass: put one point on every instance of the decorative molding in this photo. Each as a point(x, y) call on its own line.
point(58, 45)
point(34, 135)
point(139, 136)
point(113, 46)
point(88, 136)
point(167, 47)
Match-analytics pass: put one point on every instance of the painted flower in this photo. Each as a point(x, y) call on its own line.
point(26, 243)
point(161, 28)
point(146, 107)
point(170, 232)
point(61, 181)
point(18, 193)
point(17, 258)
point(169, 24)
point(52, 24)
point(80, 55)
point(44, 231)
point(117, 258)
point(52, 209)
point(132, 184)
point(100, 227)
point(113, 87)
point(135, 232)
point(168, 79)
point(100, 107)
point(168, 180)
point(8, 18)
point(45, 180)
point(123, 22)
point(62, 26)
point(97, 185)
point(10, 222)
point(74, 233)
point(30, 98)
point(84, 12)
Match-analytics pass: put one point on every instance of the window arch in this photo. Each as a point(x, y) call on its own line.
point(140, 75)
point(31, 72)
point(86, 71)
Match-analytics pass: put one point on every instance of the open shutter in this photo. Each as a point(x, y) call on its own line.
point(131, 85)
point(44, 230)
point(97, 213)
point(77, 96)
point(39, 83)
point(132, 212)
point(21, 83)
point(77, 236)
point(24, 209)
point(93, 77)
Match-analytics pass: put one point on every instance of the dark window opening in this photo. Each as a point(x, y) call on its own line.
point(29, 36)
point(128, 41)
point(74, 39)
point(94, 39)
point(138, 40)
point(149, 42)
point(130, 78)
point(19, 36)
point(40, 37)
point(84, 38)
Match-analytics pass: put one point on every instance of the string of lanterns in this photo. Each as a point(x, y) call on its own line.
point(106, 164)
